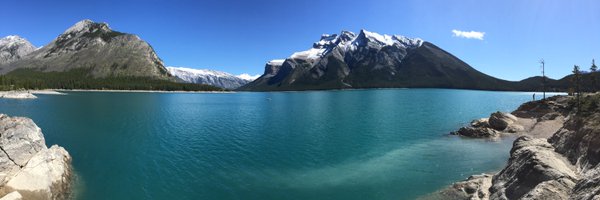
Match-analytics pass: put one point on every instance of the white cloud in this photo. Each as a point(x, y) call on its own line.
point(468, 34)
point(248, 76)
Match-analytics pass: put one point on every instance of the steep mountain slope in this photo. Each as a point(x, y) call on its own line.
point(371, 60)
point(13, 48)
point(209, 77)
point(94, 47)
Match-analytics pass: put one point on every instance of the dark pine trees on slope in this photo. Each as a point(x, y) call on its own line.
point(81, 79)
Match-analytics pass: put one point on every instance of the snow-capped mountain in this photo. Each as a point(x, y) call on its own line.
point(14, 47)
point(370, 60)
point(95, 47)
point(211, 77)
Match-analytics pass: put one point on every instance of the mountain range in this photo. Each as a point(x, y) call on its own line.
point(95, 51)
point(211, 77)
point(91, 51)
point(371, 60)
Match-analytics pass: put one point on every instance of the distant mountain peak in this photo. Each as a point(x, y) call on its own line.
point(13, 39)
point(14, 47)
point(211, 77)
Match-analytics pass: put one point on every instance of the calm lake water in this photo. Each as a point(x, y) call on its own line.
point(352, 144)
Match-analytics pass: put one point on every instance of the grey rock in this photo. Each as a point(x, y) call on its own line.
point(483, 122)
point(477, 132)
point(27, 165)
point(47, 175)
point(500, 120)
point(20, 139)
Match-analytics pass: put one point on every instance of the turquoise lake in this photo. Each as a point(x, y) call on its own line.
point(350, 144)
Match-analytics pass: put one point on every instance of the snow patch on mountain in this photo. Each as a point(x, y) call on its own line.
point(248, 77)
point(348, 41)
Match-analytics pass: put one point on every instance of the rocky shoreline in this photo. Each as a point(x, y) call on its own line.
point(27, 94)
point(556, 155)
point(28, 168)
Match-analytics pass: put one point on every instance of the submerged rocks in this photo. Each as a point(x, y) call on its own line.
point(27, 166)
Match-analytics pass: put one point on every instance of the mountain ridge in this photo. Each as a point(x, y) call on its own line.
point(95, 46)
point(210, 77)
point(372, 60)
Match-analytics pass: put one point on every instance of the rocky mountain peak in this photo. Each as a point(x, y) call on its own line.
point(87, 25)
point(365, 37)
point(13, 47)
point(96, 48)
point(83, 34)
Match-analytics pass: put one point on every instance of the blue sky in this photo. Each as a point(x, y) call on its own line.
point(241, 36)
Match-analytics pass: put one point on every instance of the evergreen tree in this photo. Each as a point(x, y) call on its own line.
point(577, 82)
point(593, 76)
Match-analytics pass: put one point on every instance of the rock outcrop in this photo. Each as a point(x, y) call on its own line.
point(17, 95)
point(27, 166)
point(534, 171)
point(476, 187)
point(538, 119)
point(489, 127)
point(564, 166)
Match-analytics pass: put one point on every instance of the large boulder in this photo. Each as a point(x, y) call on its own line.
point(476, 132)
point(534, 171)
point(27, 166)
point(47, 175)
point(500, 120)
point(20, 139)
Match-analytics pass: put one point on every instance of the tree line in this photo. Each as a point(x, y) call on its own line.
point(577, 81)
point(29, 79)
